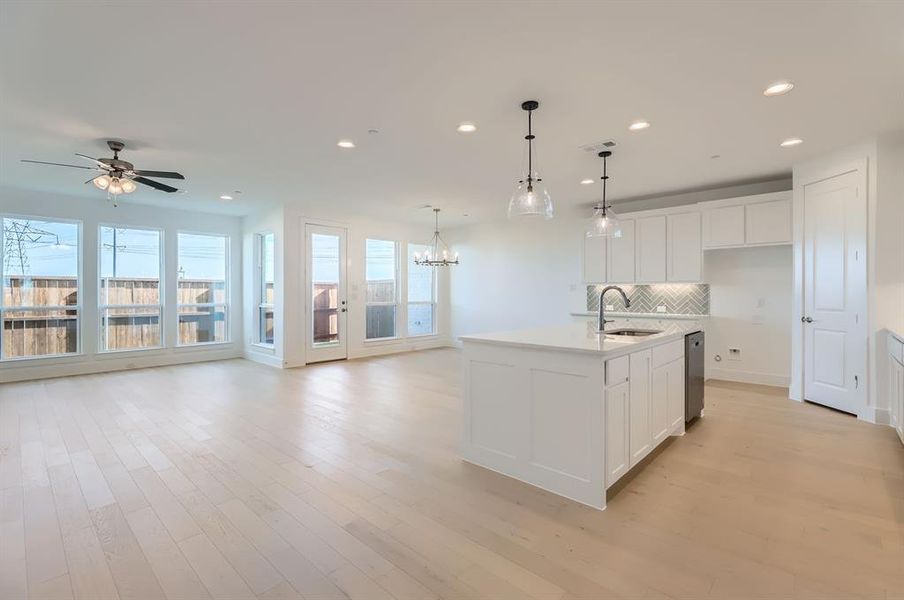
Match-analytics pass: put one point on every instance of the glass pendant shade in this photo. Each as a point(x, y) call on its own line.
point(604, 223)
point(128, 186)
point(531, 200)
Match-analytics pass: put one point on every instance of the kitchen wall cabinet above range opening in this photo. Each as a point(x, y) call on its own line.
point(761, 220)
point(655, 247)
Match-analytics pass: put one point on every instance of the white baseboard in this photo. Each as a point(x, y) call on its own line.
point(749, 377)
point(408, 345)
point(263, 358)
point(86, 365)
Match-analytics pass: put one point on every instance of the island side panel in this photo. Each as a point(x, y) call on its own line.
point(536, 415)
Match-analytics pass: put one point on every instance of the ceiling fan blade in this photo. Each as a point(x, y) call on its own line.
point(156, 184)
point(100, 164)
point(163, 174)
point(44, 162)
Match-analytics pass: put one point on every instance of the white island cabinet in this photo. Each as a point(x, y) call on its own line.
point(567, 409)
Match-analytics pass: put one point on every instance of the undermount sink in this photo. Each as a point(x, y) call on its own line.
point(632, 332)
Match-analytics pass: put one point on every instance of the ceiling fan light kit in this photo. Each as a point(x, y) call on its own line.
point(118, 176)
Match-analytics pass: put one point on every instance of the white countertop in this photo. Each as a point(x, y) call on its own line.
point(582, 337)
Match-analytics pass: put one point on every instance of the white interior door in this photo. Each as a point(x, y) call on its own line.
point(325, 291)
point(834, 294)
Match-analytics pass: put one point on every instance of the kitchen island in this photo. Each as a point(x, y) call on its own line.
point(568, 409)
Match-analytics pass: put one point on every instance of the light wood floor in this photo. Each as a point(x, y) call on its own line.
point(235, 480)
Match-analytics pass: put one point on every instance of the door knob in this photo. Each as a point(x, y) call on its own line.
point(806, 320)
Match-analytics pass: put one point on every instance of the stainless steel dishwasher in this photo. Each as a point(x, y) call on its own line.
point(693, 375)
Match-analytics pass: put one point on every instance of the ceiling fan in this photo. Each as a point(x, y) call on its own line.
point(118, 176)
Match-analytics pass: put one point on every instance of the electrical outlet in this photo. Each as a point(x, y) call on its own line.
point(661, 308)
point(761, 303)
point(734, 354)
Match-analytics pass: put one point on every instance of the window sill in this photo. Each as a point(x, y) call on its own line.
point(203, 346)
point(423, 336)
point(112, 354)
point(385, 340)
point(269, 348)
point(49, 359)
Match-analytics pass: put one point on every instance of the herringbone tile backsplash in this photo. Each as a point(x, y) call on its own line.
point(678, 298)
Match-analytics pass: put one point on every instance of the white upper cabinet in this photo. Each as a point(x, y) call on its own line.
point(768, 222)
point(685, 251)
point(650, 249)
point(594, 259)
point(621, 254)
point(761, 220)
point(723, 226)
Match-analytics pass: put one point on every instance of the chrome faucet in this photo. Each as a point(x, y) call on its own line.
point(601, 322)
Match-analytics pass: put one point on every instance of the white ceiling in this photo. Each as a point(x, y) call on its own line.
point(253, 96)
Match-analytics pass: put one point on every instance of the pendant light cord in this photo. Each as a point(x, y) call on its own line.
point(530, 148)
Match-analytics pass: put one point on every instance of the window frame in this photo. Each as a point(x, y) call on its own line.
point(79, 288)
point(227, 291)
point(433, 296)
point(101, 339)
point(259, 285)
point(398, 296)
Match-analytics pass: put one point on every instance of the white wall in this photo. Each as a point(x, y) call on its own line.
point(290, 319)
point(884, 160)
point(94, 211)
point(750, 297)
point(266, 221)
point(516, 274)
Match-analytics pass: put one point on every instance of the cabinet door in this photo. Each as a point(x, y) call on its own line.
point(639, 438)
point(650, 249)
point(659, 404)
point(685, 250)
point(676, 395)
point(723, 226)
point(621, 254)
point(768, 222)
point(616, 432)
point(594, 259)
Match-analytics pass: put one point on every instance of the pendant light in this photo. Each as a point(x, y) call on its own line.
point(437, 254)
point(605, 222)
point(531, 198)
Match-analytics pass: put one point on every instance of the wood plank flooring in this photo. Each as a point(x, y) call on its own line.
point(236, 480)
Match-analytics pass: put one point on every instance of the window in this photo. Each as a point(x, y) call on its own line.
point(202, 288)
point(40, 301)
point(267, 278)
point(382, 277)
point(129, 297)
point(421, 294)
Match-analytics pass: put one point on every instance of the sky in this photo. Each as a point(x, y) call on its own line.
point(51, 249)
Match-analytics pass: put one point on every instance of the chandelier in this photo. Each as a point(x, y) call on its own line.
point(437, 253)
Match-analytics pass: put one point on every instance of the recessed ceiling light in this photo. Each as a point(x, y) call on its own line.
point(638, 125)
point(586, 181)
point(225, 197)
point(467, 127)
point(791, 142)
point(778, 88)
point(345, 144)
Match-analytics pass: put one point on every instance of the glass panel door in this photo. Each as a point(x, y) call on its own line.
point(325, 291)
